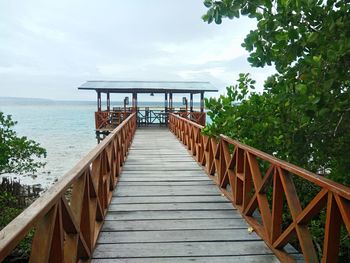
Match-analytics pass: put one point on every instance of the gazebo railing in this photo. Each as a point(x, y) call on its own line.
point(261, 187)
point(68, 217)
point(110, 119)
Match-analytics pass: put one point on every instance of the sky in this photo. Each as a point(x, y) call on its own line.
point(49, 48)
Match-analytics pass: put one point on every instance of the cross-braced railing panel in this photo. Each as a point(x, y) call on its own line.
point(68, 217)
point(110, 119)
point(262, 188)
point(195, 116)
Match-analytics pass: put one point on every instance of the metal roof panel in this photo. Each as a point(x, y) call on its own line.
point(147, 86)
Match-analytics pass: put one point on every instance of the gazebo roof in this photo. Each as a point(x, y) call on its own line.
point(148, 86)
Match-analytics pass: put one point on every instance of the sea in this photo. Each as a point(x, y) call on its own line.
point(64, 128)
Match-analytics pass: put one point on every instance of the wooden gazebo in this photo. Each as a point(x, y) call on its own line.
point(110, 117)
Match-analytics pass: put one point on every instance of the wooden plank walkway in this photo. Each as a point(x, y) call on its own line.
point(166, 209)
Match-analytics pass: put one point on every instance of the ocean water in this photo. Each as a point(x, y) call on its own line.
point(64, 129)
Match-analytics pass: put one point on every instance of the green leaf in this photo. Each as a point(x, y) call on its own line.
point(282, 36)
point(312, 37)
point(328, 84)
point(315, 100)
point(317, 58)
point(208, 3)
point(285, 3)
point(323, 111)
point(302, 88)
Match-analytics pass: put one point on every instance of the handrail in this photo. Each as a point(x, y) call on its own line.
point(68, 217)
point(239, 175)
point(110, 119)
point(194, 116)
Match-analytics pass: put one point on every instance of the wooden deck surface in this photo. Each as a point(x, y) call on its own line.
point(166, 209)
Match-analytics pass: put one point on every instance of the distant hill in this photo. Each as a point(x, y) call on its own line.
point(38, 101)
point(18, 100)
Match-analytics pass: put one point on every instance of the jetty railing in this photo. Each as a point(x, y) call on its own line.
point(110, 119)
point(195, 116)
point(68, 217)
point(147, 116)
point(259, 194)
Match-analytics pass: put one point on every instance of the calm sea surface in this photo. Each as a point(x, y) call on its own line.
point(64, 129)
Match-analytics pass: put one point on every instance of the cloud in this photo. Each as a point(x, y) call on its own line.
point(49, 48)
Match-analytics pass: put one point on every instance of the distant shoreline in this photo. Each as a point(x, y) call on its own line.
point(9, 101)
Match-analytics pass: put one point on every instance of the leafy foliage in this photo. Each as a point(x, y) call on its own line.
point(276, 122)
point(303, 114)
point(17, 154)
point(9, 210)
point(305, 109)
point(14, 198)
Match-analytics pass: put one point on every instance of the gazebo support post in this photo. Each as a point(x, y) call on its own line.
point(166, 102)
point(191, 102)
point(134, 101)
point(166, 108)
point(98, 101)
point(202, 102)
point(171, 101)
point(108, 102)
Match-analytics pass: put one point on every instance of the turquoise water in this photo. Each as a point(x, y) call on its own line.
point(64, 129)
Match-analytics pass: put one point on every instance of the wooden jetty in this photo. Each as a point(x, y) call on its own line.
point(173, 194)
point(165, 209)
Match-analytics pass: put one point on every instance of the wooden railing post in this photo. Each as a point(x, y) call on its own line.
point(48, 238)
point(332, 231)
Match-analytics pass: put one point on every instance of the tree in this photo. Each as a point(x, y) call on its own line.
point(17, 154)
point(303, 114)
point(308, 42)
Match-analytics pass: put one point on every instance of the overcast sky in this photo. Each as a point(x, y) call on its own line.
point(48, 48)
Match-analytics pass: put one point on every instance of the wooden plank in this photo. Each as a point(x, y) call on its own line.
point(170, 207)
point(143, 215)
point(162, 168)
point(174, 224)
point(200, 235)
point(166, 183)
point(154, 143)
point(157, 147)
point(181, 249)
point(163, 179)
point(181, 157)
point(163, 173)
point(166, 190)
point(165, 162)
point(226, 259)
point(140, 154)
point(144, 160)
point(168, 199)
point(167, 166)
point(160, 155)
